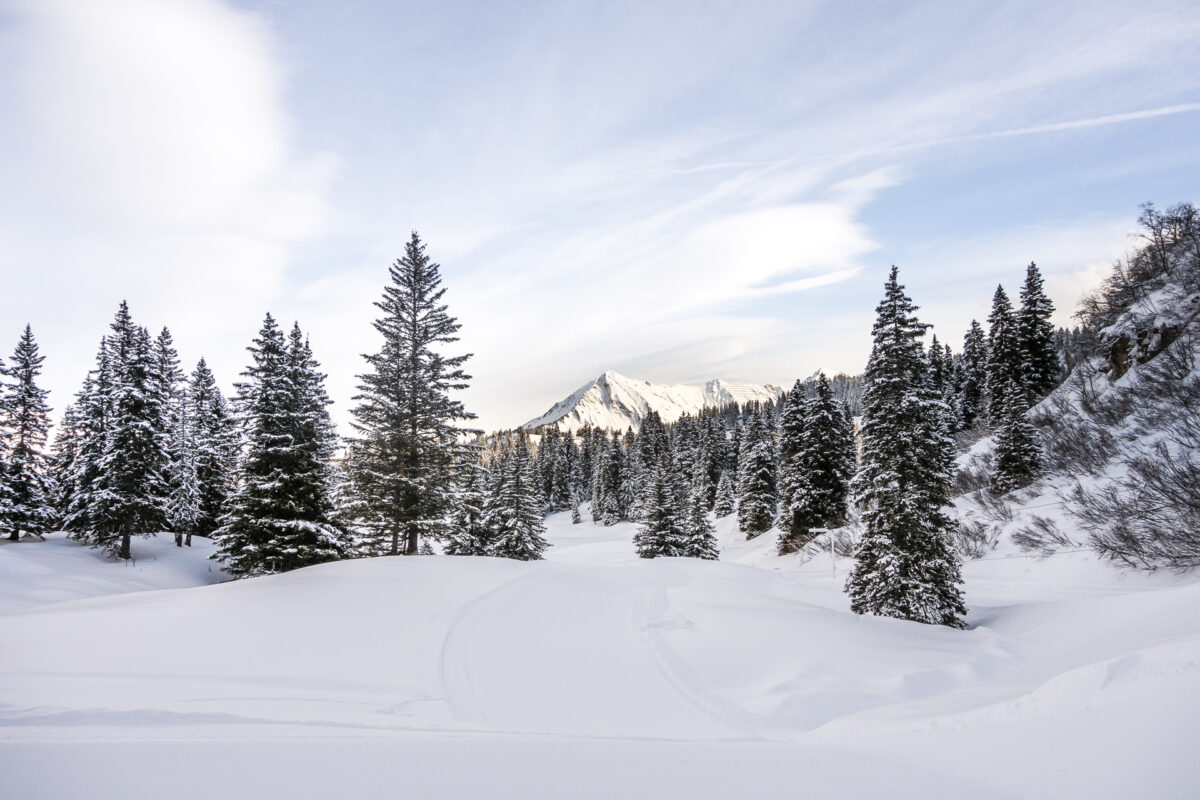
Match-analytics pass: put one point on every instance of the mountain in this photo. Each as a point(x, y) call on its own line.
point(616, 402)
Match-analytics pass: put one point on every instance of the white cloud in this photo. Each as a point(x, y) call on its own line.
point(150, 158)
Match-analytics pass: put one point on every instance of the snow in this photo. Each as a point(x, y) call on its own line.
point(592, 674)
point(615, 402)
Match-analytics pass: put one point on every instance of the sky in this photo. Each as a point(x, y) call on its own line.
point(675, 191)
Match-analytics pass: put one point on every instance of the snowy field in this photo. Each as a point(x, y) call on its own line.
point(590, 675)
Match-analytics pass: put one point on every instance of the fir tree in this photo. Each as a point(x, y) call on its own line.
point(468, 533)
point(92, 423)
point(215, 442)
point(820, 470)
point(905, 565)
point(608, 477)
point(1004, 366)
point(724, 504)
point(1018, 452)
point(63, 454)
point(183, 507)
point(661, 533)
point(756, 479)
point(514, 510)
point(130, 494)
point(25, 484)
point(1035, 335)
point(408, 445)
point(972, 377)
point(280, 516)
point(700, 541)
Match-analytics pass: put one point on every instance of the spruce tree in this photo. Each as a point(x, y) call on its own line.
point(408, 445)
point(972, 377)
point(905, 565)
point(25, 483)
point(63, 454)
point(514, 512)
point(280, 516)
point(130, 493)
point(215, 440)
point(820, 470)
point(608, 482)
point(1005, 364)
point(756, 478)
point(700, 541)
point(724, 504)
point(1035, 335)
point(92, 425)
point(1018, 451)
point(468, 533)
point(661, 533)
point(183, 505)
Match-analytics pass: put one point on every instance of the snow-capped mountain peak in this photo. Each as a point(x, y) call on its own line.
point(616, 402)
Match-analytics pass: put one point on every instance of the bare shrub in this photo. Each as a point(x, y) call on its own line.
point(1042, 535)
point(973, 539)
point(972, 476)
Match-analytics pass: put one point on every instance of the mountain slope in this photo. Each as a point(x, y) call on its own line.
point(616, 402)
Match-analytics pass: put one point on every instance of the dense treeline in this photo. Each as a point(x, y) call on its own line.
point(144, 448)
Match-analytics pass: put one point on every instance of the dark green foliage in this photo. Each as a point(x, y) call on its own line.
point(1005, 366)
point(725, 504)
point(905, 565)
point(26, 488)
point(756, 478)
point(1035, 335)
point(513, 512)
point(408, 446)
point(661, 533)
point(1018, 451)
point(972, 376)
point(280, 516)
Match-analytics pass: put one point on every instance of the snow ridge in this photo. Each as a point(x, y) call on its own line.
point(615, 402)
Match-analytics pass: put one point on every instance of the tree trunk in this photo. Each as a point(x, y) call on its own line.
point(178, 539)
point(410, 548)
point(395, 542)
point(124, 546)
point(15, 536)
point(188, 541)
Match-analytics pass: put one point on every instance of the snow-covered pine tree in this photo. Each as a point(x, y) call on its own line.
point(183, 504)
point(700, 541)
point(130, 492)
point(468, 533)
point(905, 566)
point(1005, 367)
point(972, 376)
point(216, 441)
point(792, 418)
point(756, 478)
point(408, 445)
point(63, 453)
point(514, 512)
point(1018, 449)
point(28, 489)
point(280, 517)
point(608, 476)
point(724, 504)
point(661, 533)
point(92, 421)
point(821, 469)
point(1035, 335)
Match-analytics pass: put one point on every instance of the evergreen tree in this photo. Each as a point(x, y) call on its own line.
point(661, 533)
point(608, 476)
point(468, 534)
point(819, 469)
point(408, 445)
point(1035, 335)
point(793, 412)
point(25, 484)
point(972, 378)
point(514, 510)
point(700, 541)
point(93, 417)
point(280, 516)
point(756, 479)
point(63, 454)
point(724, 504)
point(183, 507)
point(1018, 452)
point(215, 443)
point(1005, 364)
point(905, 565)
point(130, 494)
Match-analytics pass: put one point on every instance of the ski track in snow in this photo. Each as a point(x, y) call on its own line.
point(1079, 679)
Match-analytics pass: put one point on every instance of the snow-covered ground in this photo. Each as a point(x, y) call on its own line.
point(590, 675)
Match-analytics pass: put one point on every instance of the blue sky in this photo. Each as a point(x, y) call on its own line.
point(676, 191)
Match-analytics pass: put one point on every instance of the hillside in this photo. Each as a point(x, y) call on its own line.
point(615, 402)
point(595, 674)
